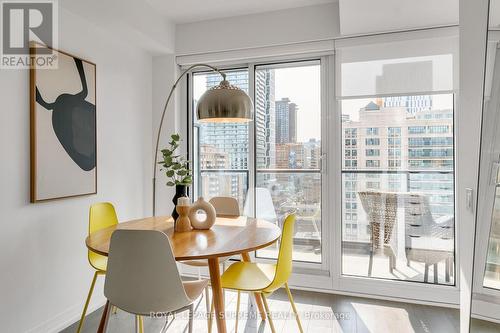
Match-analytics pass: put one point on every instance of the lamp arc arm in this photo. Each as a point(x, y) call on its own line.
point(163, 117)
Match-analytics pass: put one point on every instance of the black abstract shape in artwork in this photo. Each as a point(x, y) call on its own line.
point(73, 120)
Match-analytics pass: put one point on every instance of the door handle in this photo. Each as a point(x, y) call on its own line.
point(469, 199)
point(494, 173)
point(323, 164)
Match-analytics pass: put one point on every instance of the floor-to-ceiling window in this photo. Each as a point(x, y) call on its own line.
point(396, 103)
point(360, 144)
point(283, 175)
point(288, 152)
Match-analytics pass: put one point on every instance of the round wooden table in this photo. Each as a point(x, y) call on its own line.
point(229, 236)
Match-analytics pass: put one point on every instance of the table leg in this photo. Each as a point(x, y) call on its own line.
point(217, 295)
point(104, 319)
point(258, 298)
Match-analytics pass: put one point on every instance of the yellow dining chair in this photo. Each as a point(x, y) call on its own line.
point(101, 215)
point(265, 278)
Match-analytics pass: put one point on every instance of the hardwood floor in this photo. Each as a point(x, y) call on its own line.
point(319, 312)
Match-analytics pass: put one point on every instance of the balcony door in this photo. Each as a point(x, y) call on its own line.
point(395, 113)
point(288, 153)
point(272, 165)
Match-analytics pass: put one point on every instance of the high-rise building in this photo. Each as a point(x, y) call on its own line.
point(265, 118)
point(412, 104)
point(312, 154)
point(419, 147)
point(290, 155)
point(286, 121)
point(230, 138)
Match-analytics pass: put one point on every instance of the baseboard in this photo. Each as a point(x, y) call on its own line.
point(66, 318)
point(485, 318)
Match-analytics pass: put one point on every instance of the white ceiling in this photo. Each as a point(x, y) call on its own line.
point(130, 20)
point(185, 11)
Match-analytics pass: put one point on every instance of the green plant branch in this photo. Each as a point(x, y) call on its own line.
point(176, 167)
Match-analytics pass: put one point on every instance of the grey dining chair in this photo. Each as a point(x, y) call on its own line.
point(429, 239)
point(381, 210)
point(143, 278)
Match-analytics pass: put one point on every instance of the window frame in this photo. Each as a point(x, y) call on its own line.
point(328, 274)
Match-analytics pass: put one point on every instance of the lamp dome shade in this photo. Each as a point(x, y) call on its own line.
point(225, 103)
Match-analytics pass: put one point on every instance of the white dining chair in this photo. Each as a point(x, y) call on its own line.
point(264, 205)
point(224, 207)
point(143, 279)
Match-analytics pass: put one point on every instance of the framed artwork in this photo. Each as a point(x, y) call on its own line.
point(63, 128)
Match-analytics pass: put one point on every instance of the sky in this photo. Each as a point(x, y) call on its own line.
point(303, 86)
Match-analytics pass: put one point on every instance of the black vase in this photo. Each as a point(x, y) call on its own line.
point(180, 191)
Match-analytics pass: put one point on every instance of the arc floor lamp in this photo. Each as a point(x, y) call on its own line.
point(219, 104)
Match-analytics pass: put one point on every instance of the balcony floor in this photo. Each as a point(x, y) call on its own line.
point(355, 262)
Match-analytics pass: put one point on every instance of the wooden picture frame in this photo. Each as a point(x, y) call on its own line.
point(63, 128)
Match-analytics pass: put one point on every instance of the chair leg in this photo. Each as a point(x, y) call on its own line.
point(449, 269)
point(452, 268)
point(435, 273)
point(370, 264)
point(237, 311)
point(91, 290)
point(139, 324)
point(108, 311)
point(426, 273)
point(294, 307)
point(210, 316)
point(191, 318)
point(224, 290)
point(392, 263)
point(165, 327)
point(264, 300)
point(208, 305)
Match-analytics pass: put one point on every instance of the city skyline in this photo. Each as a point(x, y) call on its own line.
point(410, 138)
point(412, 134)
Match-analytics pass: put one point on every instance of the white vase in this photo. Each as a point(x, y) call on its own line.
point(209, 210)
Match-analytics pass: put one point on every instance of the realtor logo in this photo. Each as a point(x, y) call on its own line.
point(26, 23)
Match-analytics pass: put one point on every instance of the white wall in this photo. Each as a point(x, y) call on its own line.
point(45, 275)
point(368, 16)
point(257, 30)
point(164, 75)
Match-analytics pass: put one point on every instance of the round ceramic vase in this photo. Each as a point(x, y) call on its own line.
point(209, 210)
